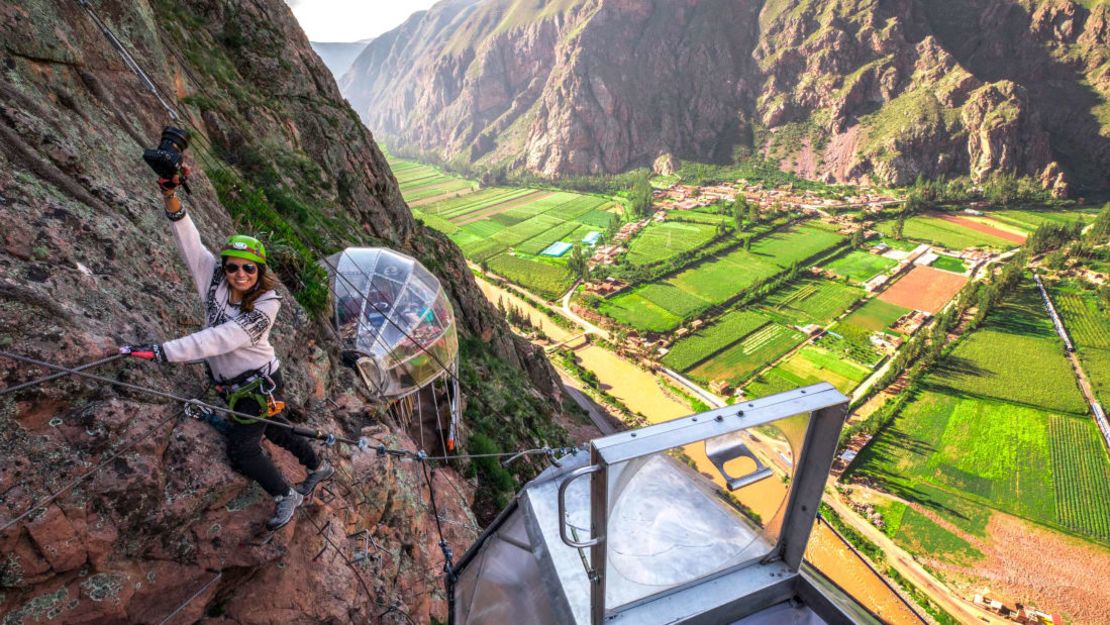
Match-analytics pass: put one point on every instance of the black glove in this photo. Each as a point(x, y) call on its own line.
point(152, 351)
point(179, 179)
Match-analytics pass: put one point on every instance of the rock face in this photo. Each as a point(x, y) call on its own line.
point(160, 526)
point(842, 90)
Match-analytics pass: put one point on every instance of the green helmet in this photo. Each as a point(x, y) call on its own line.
point(243, 246)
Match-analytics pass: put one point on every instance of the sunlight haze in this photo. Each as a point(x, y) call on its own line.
point(352, 20)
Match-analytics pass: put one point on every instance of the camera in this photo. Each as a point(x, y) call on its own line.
point(166, 159)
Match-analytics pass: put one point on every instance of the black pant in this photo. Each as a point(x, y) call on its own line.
point(244, 446)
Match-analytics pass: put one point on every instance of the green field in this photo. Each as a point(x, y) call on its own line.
point(1030, 220)
point(419, 181)
point(1015, 356)
point(549, 280)
point(660, 241)
point(945, 234)
point(717, 279)
point(710, 340)
point(949, 263)
point(1089, 329)
point(808, 365)
point(950, 453)
point(736, 363)
point(860, 266)
point(874, 316)
point(811, 301)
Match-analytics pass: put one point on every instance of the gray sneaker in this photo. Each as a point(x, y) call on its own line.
point(286, 506)
point(323, 472)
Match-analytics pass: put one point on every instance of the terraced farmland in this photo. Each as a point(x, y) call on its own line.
point(420, 182)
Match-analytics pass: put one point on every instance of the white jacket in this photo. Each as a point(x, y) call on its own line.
point(232, 341)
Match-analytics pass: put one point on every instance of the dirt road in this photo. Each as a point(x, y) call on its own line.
point(965, 611)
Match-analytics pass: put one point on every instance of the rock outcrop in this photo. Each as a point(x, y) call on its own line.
point(841, 90)
point(148, 523)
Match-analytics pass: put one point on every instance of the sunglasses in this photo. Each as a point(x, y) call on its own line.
point(232, 268)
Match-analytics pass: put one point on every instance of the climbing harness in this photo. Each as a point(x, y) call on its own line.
point(257, 386)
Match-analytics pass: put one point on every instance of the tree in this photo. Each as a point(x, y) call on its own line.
point(858, 239)
point(748, 243)
point(739, 211)
point(579, 263)
point(613, 229)
point(753, 213)
point(640, 194)
point(899, 226)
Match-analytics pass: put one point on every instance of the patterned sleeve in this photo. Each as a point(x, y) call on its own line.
point(245, 330)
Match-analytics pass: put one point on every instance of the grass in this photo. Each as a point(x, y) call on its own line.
point(953, 454)
point(917, 533)
point(945, 234)
point(661, 241)
point(632, 309)
point(812, 301)
point(949, 263)
point(860, 266)
point(874, 316)
point(739, 361)
point(809, 365)
point(1016, 356)
point(547, 279)
point(710, 340)
point(1030, 220)
point(1089, 329)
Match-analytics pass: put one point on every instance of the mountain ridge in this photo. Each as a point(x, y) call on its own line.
point(857, 90)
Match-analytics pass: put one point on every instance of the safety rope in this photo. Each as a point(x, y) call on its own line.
point(127, 58)
point(55, 376)
point(449, 574)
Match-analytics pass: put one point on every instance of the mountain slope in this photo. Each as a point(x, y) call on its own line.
point(161, 525)
point(844, 90)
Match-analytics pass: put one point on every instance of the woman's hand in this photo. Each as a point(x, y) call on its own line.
point(169, 185)
point(152, 351)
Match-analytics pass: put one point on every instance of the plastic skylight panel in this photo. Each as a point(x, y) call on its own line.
point(672, 524)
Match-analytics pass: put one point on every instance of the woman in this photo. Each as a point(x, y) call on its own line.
point(240, 305)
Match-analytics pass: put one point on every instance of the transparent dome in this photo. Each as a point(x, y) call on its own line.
point(393, 312)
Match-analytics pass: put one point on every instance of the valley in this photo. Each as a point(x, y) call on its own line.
point(788, 288)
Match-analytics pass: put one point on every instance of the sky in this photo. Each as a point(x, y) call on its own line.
point(352, 20)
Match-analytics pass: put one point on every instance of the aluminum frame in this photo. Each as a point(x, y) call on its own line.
point(696, 601)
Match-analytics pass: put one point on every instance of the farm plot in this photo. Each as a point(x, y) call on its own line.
point(812, 301)
point(747, 356)
point(1030, 220)
point(710, 340)
point(1016, 356)
point(860, 266)
point(924, 288)
point(437, 188)
point(1082, 476)
point(954, 236)
point(632, 309)
point(944, 451)
point(808, 365)
point(949, 263)
point(874, 316)
point(660, 241)
point(548, 280)
point(1086, 324)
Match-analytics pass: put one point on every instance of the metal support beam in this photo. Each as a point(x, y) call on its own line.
point(599, 528)
point(808, 484)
